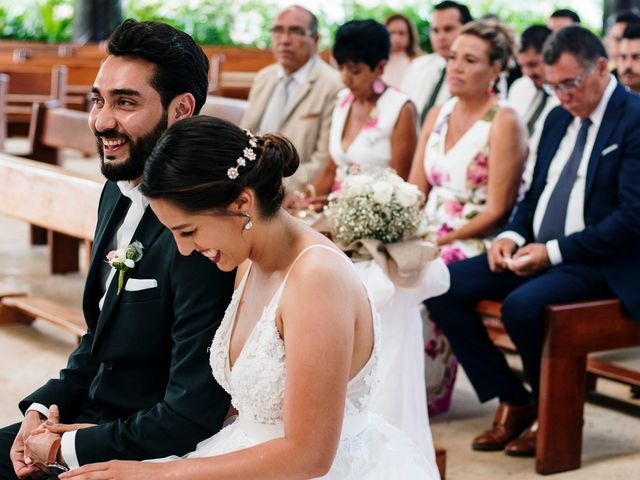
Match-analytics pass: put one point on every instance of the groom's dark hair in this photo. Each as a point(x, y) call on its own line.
point(180, 64)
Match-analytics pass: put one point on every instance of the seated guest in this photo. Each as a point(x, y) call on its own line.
point(469, 161)
point(404, 48)
point(573, 237)
point(629, 59)
point(616, 25)
point(562, 18)
point(295, 96)
point(372, 124)
point(424, 81)
point(527, 95)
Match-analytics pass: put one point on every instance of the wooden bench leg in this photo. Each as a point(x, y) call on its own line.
point(441, 462)
point(591, 382)
point(560, 414)
point(63, 253)
point(11, 315)
point(38, 235)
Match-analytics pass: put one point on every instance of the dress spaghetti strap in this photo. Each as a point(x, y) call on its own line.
point(306, 249)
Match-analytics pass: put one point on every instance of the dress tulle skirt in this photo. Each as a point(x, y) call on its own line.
point(370, 448)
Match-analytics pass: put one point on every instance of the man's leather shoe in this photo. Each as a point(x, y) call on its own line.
point(509, 422)
point(525, 444)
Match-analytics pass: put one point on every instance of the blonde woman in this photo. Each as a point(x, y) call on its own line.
point(469, 163)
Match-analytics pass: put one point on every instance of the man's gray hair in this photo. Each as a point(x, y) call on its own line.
point(577, 41)
point(313, 24)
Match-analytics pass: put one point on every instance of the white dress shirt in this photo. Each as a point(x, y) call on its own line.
point(574, 221)
point(421, 78)
point(124, 236)
point(524, 97)
point(298, 78)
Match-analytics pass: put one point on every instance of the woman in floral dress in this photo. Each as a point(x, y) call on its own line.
point(469, 163)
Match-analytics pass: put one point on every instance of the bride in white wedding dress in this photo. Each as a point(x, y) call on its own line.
point(298, 347)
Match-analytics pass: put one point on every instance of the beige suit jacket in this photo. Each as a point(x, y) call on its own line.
point(307, 119)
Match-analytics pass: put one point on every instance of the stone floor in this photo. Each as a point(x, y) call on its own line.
point(29, 355)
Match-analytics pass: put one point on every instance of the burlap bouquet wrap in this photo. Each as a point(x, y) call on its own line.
point(376, 218)
point(403, 262)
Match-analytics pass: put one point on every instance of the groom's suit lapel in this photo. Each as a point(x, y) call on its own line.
point(104, 235)
point(149, 229)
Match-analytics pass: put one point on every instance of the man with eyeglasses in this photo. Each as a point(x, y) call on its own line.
point(574, 237)
point(527, 95)
point(295, 96)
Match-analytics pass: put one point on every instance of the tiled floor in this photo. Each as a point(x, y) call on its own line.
point(31, 354)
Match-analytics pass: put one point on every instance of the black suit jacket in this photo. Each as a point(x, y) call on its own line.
point(611, 237)
point(142, 369)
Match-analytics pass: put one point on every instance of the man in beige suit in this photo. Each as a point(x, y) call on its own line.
point(295, 96)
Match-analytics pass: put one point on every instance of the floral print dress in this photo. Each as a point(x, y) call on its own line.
point(458, 179)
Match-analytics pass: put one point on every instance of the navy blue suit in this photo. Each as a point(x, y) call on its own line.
point(602, 260)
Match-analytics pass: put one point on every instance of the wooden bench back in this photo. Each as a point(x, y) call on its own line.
point(81, 73)
point(60, 49)
point(230, 109)
point(54, 127)
point(27, 85)
point(44, 81)
point(49, 196)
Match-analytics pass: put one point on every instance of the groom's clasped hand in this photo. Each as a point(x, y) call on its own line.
point(41, 444)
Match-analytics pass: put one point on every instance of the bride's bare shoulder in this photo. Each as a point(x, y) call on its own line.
point(323, 269)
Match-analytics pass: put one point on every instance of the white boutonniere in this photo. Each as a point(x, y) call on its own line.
point(125, 259)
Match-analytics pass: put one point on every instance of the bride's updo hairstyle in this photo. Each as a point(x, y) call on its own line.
point(203, 163)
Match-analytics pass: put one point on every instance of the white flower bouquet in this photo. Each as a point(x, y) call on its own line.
point(374, 204)
point(376, 219)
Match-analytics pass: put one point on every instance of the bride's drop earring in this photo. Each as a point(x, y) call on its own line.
point(248, 225)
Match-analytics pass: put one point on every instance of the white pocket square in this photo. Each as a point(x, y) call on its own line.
point(609, 149)
point(137, 284)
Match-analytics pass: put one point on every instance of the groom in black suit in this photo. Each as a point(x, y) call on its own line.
point(139, 384)
point(573, 237)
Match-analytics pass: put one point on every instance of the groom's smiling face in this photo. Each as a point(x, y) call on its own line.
point(127, 116)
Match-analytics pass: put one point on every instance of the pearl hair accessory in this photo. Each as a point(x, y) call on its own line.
point(248, 155)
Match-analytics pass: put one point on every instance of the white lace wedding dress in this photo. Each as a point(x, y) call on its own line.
point(369, 448)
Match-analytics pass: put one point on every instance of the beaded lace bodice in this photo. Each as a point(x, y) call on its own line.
point(257, 380)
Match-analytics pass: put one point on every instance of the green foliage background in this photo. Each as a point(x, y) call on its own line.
point(219, 21)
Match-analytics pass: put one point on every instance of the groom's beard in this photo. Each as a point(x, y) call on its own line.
point(133, 167)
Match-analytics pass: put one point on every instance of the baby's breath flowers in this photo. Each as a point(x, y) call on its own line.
point(376, 204)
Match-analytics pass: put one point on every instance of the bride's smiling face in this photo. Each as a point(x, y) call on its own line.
point(220, 237)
